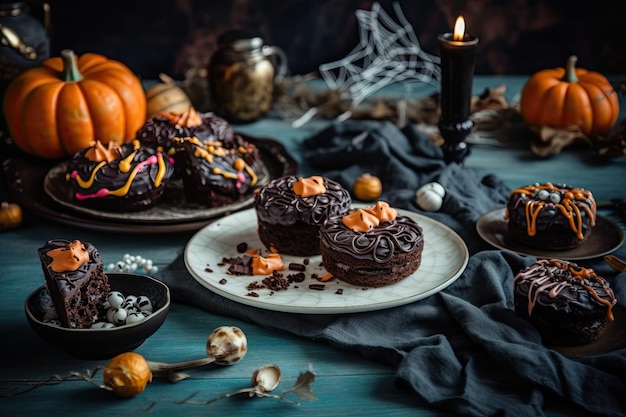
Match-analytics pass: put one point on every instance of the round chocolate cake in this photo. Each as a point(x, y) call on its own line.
point(552, 217)
point(127, 177)
point(290, 211)
point(159, 131)
point(214, 174)
point(371, 247)
point(569, 304)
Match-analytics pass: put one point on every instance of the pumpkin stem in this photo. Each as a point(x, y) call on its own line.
point(570, 70)
point(70, 69)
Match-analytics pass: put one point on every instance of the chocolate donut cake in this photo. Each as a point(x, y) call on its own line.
point(159, 131)
point(569, 304)
point(215, 174)
point(552, 217)
point(76, 281)
point(290, 211)
point(127, 177)
point(371, 247)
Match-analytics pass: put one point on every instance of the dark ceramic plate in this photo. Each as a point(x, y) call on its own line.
point(172, 207)
point(614, 338)
point(102, 343)
point(25, 179)
point(605, 238)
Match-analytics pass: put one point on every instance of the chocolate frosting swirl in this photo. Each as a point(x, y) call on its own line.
point(379, 244)
point(552, 284)
point(277, 203)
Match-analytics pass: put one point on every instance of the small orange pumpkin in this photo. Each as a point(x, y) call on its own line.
point(565, 97)
point(10, 216)
point(127, 374)
point(68, 102)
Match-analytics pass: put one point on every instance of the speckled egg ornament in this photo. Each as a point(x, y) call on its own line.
point(429, 197)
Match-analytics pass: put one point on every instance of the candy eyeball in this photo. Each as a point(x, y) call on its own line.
point(115, 299)
point(144, 303)
point(102, 325)
point(117, 316)
point(429, 197)
point(555, 198)
point(543, 195)
point(135, 317)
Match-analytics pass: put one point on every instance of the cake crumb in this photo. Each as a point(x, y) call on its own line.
point(223, 281)
point(242, 247)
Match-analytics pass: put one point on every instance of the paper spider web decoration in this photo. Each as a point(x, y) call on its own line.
point(388, 52)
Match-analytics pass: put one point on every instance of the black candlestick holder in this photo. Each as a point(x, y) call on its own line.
point(457, 78)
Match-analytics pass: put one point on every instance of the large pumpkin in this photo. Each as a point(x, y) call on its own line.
point(68, 102)
point(570, 96)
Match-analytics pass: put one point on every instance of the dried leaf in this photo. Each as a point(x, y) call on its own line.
point(302, 387)
point(551, 141)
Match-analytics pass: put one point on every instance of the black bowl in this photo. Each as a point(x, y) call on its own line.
point(102, 343)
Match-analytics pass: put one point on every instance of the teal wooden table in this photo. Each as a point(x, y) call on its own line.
point(345, 384)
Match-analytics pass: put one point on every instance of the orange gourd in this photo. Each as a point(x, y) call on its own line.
point(68, 102)
point(570, 96)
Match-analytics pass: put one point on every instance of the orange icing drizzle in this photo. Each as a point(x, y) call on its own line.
point(581, 274)
point(265, 266)
point(98, 153)
point(189, 118)
point(307, 187)
point(570, 205)
point(209, 149)
point(68, 258)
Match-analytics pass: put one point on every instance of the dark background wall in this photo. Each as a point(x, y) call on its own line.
point(171, 36)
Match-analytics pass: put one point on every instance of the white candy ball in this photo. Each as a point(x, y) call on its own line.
point(126, 257)
point(429, 197)
point(135, 317)
point(543, 195)
point(115, 299)
point(144, 303)
point(117, 316)
point(102, 325)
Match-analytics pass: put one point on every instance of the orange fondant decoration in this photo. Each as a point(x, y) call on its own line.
point(68, 258)
point(307, 187)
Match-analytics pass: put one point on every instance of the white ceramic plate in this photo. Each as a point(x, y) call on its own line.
point(604, 239)
point(444, 259)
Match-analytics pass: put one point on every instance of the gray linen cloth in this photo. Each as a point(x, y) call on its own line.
point(463, 349)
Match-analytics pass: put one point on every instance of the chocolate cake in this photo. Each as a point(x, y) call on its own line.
point(159, 131)
point(371, 247)
point(76, 281)
point(290, 211)
point(569, 304)
point(548, 216)
point(127, 177)
point(216, 174)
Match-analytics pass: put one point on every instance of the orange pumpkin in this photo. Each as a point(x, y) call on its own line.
point(68, 102)
point(565, 97)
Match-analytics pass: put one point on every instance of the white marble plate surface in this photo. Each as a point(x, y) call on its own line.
point(444, 259)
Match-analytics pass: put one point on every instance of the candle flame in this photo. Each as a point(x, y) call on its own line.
point(459, 29)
